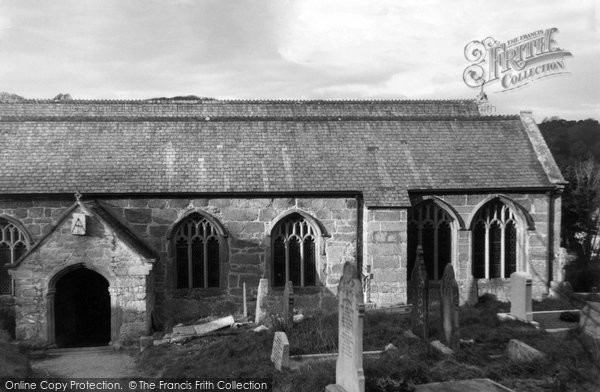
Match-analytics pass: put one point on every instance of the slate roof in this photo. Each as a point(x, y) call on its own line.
point(339, 148)
point(242, 108)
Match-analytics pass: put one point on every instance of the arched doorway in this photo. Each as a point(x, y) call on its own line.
point(82, 309)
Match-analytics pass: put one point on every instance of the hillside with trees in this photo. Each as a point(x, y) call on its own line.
point(576, 148)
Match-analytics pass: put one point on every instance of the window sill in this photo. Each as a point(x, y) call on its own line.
point(307, 290)
point(198, 292)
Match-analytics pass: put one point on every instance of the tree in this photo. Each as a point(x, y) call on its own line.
point(576, 148)
point(581, 209)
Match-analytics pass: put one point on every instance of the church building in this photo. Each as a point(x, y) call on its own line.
point(117, 217)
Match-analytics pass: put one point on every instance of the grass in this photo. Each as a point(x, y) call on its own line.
point(568, 366)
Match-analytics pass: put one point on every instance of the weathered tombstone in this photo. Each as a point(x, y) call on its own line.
point(520, 296)
point(245, 301)
point(261, 301)
point(590, 320)
point(288, 304)
point(280, 354)
point(449, 300)
point(420, 297)
point(349, 375)
point(521, 352)
point(202, 329)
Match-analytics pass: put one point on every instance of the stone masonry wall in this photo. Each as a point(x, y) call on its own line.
point(248, 223)
point(385, 250)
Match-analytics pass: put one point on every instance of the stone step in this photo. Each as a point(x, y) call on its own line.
point(79, 350)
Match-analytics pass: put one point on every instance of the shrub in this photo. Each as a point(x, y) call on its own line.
point(572, 317)
point(7, 321)
point(12, 362)
point(583, 276)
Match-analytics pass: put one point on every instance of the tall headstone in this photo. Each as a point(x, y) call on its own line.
point(288, 304)
point(520, 296)
point(261, 301)
point(349, 375)
point(449, 301)
point(280, 354)
point(420, 297)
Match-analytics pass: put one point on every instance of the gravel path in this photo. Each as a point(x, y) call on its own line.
point(99, 362)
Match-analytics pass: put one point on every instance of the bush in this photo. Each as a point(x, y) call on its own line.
point(583, 276)
point(7, 321)
point(12, 362)
point(571, 317)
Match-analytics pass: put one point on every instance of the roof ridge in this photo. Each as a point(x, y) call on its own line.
point(334, 118)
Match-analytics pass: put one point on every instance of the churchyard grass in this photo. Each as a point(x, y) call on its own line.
point(415, 362)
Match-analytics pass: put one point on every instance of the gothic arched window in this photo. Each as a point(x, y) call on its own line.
point(494, 241)
point(13, 244)
point(294, 252)
point(430, 226)
point(197, 253)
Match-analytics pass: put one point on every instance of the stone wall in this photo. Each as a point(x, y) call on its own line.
point(248, 223)
point(385, 252)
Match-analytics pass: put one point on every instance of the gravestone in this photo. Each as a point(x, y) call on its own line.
point(349, 375)
point(288, 304)
point(261, 301)
point(520, 296)
point(590, 320)
point(420, 297)
point(280, 354)
point(202, 329)
point(449, 300)
point(521, 352)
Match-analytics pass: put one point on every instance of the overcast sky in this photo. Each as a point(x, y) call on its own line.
point(303, 49)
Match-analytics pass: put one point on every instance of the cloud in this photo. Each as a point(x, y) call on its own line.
point(282, 48)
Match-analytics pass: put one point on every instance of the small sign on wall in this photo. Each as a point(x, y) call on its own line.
point(78, 224)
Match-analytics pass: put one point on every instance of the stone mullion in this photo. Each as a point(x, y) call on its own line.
point(301, 263)
point(205, 262)
point(287, 259)
point(190, 262)
point(435, 246)
point(502, 254)
point(487, 250)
